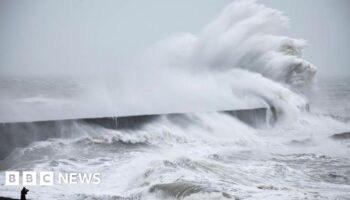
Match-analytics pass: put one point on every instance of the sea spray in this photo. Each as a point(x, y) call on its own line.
point(239, 60)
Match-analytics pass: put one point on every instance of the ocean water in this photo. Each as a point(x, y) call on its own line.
point(331, 96)
point(213, 156)
point(239, 60)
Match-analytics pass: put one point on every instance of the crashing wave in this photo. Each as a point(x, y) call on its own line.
point(245, 36)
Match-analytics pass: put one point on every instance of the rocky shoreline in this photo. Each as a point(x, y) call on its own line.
point(6, 198)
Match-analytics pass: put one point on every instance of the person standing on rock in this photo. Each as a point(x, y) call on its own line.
point(24, 193)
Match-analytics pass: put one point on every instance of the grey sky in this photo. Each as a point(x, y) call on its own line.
point(67, 36)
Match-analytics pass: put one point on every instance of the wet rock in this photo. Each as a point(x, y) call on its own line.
point(341, 136)
point(6, 198)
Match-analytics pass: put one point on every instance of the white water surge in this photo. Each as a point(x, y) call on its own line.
point(238, 60)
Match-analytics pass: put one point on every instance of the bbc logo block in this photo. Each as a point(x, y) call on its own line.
point(29, 178)
point(11, 178)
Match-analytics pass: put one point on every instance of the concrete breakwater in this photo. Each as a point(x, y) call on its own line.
point(20, 134)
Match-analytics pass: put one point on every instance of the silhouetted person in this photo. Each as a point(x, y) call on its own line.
point(24, 193)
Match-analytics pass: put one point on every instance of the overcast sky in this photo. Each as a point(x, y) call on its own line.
point(59, 36)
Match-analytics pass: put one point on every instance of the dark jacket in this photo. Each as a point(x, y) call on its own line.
point(24, 193)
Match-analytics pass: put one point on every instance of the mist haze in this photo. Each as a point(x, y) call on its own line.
point(209, 70)
point(175, 100)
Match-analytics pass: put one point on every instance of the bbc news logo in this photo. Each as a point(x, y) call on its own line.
point(50, 178)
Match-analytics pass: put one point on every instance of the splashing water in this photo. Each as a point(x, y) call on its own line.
point(237, 61)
